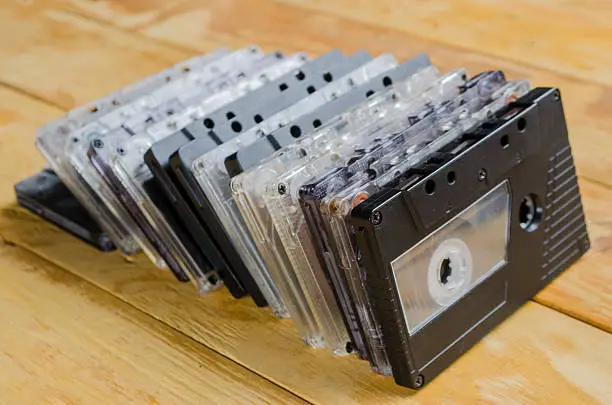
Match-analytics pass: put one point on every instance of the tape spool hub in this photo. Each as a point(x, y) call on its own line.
point(450, 270)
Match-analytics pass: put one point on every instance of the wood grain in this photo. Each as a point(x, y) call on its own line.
point(538, 356)
point(564, 36)
point(67, 60)
point(319, 26)
point(588, 106)
point(65, 341)
point(561, 35)
point(531, 358)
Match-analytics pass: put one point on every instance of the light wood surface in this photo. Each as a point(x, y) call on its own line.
point(64, 340)
point(64, 53)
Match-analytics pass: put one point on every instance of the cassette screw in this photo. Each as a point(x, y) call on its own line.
point(418, 383)
point(282, 189)
point(557, 95)
point(376, 218)
point(482, 174)
point(97, 143)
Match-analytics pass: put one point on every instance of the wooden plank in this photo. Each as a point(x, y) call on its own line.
point(587, 104)
point(252, 336)
point(67, 60)
point(528, 359)
point(271, 347)
point(531, 358)
point(564, 36)
point(585, 292)
point(65, 341)
point(319, 26)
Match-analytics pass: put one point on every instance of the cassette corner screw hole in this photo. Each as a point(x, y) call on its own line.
point(376, 218)
point(482, 174)
point(282, 189)
point(420, 380)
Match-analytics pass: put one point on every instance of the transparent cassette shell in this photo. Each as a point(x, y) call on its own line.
point(248, 191)
point(130, 171)
point(53, 139)
point(214, 180)
point(136, 117)
point(454, 259)
point(283, 206)
point(281, 201)
point(465, 121)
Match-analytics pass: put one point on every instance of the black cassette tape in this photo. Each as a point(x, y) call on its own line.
point(178, 180)
point(228, 122)
point(45, 195)
point(456, 244)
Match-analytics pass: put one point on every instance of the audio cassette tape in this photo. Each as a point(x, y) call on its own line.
point(45, 195)
point(467, 234)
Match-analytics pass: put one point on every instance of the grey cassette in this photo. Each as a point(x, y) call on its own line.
point(302, 82)
point(102, 152)
point(219, 194)
point(252, 155)
point(214, 179)
point(136, 117)
point(133, 176)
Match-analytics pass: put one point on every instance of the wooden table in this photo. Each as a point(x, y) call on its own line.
point(83, 327)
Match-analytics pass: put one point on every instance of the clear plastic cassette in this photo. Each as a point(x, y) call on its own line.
point(129, 174)
point(264, 184)
point(281, 199)
point(214, 179)
point(300, 313)
point(54, 139)
point(137, 116)
point(51, 137)
point(454, 259)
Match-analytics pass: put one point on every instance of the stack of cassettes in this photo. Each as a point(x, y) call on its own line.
point(392, 211)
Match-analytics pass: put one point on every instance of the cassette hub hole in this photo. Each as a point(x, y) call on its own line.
point(446, 270)
point(530, 213)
